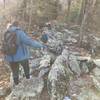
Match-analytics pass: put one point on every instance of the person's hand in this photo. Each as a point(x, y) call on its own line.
point(44, 47)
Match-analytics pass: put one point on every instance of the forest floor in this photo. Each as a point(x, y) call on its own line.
point(44, 94)
point(4, 79)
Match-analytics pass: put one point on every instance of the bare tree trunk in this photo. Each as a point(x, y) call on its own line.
point(30, 18)
point(23, 7)
point(67, 13)
point(88, 12)
point(82, 11)
point(24, 3)
point(69, 7)
point(82, 29)
point(4, 1)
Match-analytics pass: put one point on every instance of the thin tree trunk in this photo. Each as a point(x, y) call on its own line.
point(88, 12)
point(4, 1)
point(68, 12)
point(82, 29)
point(82, 11)
point(23, 7)
point(30, 18)
point(69, 7)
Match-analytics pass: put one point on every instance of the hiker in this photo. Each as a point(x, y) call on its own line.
point(44, 37)
point(22, 53)
point(40, 34)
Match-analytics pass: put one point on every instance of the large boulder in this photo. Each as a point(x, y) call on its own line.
point(58, 78)
point(55, 42)
point(96, 78)
point(74, 65)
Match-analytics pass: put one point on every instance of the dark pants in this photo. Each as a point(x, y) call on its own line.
point(15, 69)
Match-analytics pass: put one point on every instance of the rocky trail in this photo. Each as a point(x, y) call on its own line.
point(64, 71)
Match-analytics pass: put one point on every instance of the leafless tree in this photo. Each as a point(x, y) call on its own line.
point(4, 1)
point(88, 12)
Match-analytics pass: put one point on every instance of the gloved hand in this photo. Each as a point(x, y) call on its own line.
point(44, 47)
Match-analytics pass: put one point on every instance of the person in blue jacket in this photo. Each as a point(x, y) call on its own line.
point(44, 37)
point(22, 54)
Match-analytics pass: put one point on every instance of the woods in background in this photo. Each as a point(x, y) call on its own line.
point(84, 13)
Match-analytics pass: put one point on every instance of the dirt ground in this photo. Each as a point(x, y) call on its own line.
point(4, 78)
point(44, 94)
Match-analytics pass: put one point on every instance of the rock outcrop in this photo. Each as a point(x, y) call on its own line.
point(27, 90)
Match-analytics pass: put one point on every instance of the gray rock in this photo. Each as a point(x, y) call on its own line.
point(35, 53)
point(55, 43)
point(97, 41)
point(78, 64)
point(88, 95)
point(74, 65)
point(71, 40)
point(67, 98)
point(44, 65)
point(45, 61)
point(27, 90)
point(97, 62)
point(34, 64)
point(84, 67)
point(58, 79)
point(96, 78)
point(84, 58)
point(3, 91)
point(96, 72)
point(55, 46)
point(42, 72)
point(96, 82)
point(68, 31)
point(84, 61)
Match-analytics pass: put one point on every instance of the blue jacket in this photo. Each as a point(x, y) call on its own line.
point(23, 42)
